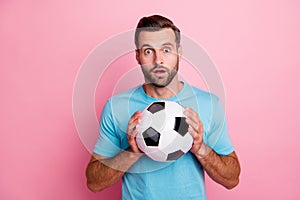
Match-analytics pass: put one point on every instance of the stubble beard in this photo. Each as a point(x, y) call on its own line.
point(161, 82)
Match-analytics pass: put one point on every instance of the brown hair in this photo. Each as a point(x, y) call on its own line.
point(155, 23)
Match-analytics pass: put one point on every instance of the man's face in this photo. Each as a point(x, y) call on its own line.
point(158, 56)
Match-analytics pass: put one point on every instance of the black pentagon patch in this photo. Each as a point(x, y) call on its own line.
point(175, 155)
point(181, 126)
point(156, 106)
point(151, 137)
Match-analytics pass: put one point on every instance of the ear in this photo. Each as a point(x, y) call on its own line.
point(137, 56)
point(179, 52)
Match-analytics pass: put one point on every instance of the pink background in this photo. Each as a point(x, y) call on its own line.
point(254, 44)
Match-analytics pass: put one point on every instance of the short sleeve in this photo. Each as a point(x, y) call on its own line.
point(217, 136)
point(108, 142)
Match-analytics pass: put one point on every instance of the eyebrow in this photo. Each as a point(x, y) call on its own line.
point(168, 44)
point(164, 44)
point(145, 45)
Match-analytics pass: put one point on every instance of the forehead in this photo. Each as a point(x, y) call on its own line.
point(157, 38)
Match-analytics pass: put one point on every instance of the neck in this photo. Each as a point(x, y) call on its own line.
point(163, 92)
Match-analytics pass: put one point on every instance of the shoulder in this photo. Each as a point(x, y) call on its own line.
point(117, 109)
point(121, 106)
point(203, 102)
point(119, 101)
point(126, 94)
point(202, 94)
point(125, 97)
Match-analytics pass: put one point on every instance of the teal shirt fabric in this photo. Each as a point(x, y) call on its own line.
point(148, 179)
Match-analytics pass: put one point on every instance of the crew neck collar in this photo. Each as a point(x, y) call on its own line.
point(174, 98)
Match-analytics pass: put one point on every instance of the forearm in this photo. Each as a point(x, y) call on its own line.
point(224, 170)
point(104, 172)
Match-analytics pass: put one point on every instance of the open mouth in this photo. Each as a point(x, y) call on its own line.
point(159, 72)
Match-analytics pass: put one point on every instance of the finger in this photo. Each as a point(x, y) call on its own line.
point(201, 129)
point(134, 120)
point(192, 118)
point(192, 115)
point(197, 126)
point(134, 132)
point(136, 115)
point(132, 125)
point(196, 136)
point(192, 124)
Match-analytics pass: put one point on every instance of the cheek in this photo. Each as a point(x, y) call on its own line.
point(146, 66)
point(172, 60)
point(146, 60)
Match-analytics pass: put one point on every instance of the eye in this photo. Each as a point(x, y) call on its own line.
point(167, 49)
point(148, 51)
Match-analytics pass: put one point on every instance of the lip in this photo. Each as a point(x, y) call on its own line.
point(159, 72)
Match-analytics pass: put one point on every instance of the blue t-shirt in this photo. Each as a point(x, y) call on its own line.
point(148, 179)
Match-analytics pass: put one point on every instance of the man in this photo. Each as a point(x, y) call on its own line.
point(116, 154)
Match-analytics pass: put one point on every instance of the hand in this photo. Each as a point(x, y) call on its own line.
point(195, 128)
point(132, 131)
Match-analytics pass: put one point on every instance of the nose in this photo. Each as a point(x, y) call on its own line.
point(158, 58)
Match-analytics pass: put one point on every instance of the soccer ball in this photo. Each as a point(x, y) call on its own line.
point(163, 132)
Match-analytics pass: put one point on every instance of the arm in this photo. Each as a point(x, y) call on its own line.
point(103, 172)
point(224, 170)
